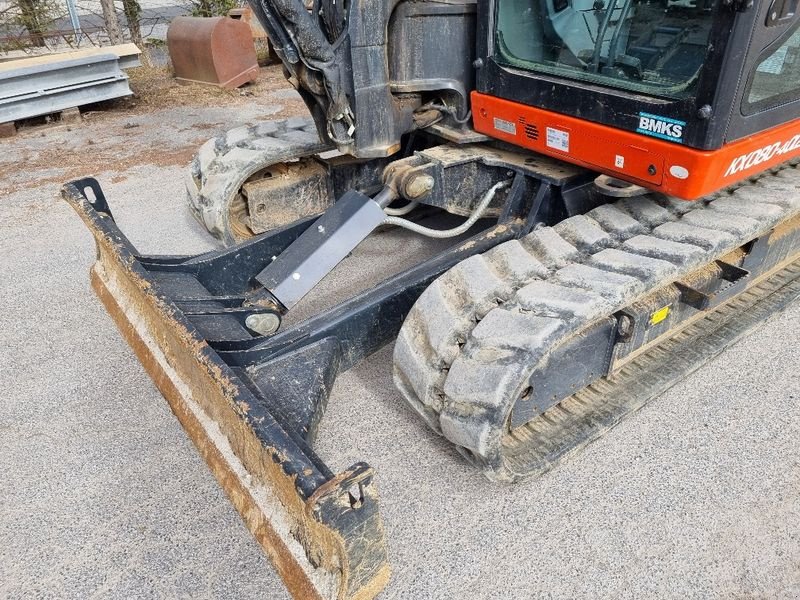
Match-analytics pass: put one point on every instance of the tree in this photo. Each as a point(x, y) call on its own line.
point(133, 12)
point(31, 19)
point(25, 23)
point(111, 21)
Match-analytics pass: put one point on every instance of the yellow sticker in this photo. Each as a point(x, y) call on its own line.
point(660, 315)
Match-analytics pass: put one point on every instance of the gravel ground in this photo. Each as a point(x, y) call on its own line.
point(103, 495)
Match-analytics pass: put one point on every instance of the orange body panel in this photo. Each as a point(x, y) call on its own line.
point(657, 164)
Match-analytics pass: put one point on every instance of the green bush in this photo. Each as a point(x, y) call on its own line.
point(212, 8)
point(24, 23)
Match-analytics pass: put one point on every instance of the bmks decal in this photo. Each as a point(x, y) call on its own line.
point(661, 127)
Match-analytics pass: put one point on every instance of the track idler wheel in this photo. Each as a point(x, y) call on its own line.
point(253, 179)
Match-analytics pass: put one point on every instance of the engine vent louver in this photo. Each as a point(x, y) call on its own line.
point(531, 130)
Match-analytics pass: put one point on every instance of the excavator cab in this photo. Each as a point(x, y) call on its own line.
point(701, 85)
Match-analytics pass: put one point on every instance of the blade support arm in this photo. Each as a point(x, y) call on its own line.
point(321, 247)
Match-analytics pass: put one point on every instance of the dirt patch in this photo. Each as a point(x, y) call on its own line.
point(73, 165)
point(206, 126)
point(155, 88)
point(145, 129)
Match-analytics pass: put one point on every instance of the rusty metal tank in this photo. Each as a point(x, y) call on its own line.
point(245, 13)
point(212, 50)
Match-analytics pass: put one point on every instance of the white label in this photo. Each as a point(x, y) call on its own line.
point(557, 139)
point(506, 126)
point(619, 162)
point(762, 155)
point(679, 172)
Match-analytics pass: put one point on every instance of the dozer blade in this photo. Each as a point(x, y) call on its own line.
point(252, 403)
point(322, 531)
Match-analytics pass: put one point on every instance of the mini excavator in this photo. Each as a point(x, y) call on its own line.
point(620, 186)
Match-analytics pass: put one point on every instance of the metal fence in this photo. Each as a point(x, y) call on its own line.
point(32, 25)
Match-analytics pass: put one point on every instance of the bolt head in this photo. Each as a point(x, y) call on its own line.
point(263, 323)
point(418, 186)
point(705, 112)
point(625, 325)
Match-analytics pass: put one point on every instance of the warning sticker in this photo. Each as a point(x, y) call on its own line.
point(660, 315)
point(558, 139)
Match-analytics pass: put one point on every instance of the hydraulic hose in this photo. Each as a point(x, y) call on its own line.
point(403, 210)
point(446, 109)
point(448, 233)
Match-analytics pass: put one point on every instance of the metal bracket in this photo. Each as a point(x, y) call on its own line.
point(781, 11)
point(736, 277)
point(294, 272)
point(614, 187)
point(97, 198)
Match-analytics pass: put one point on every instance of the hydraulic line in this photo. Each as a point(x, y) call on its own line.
point(448, 233)
point(446, 109)
point(403, 210)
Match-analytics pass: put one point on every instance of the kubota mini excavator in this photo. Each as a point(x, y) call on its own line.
point(626, 174)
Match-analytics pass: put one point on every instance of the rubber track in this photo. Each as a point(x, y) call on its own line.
point(583, 417)
point(225, 163)
point(469, 344)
